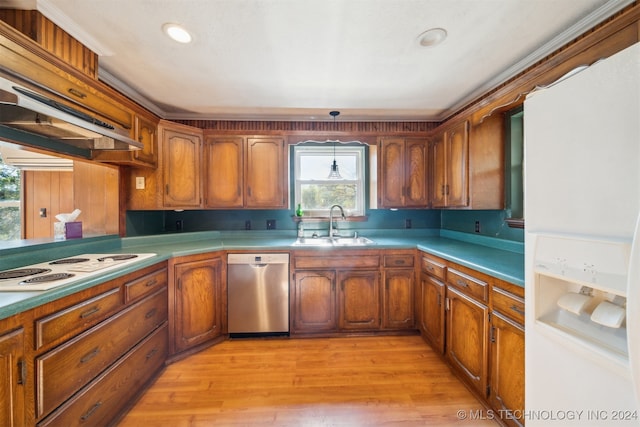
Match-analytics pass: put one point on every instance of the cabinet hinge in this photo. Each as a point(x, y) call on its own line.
point(492, 334)
point(22, 368)
point(447, 304)
point(488, 390)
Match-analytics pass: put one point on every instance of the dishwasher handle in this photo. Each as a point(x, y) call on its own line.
point(259, 265)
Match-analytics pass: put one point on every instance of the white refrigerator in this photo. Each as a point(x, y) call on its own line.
point(582, 249)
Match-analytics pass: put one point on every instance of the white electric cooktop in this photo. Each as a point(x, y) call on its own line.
point(51, 274)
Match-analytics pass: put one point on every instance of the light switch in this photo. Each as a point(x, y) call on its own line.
point(139, 182)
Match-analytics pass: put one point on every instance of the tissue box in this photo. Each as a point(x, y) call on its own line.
point(73, 230)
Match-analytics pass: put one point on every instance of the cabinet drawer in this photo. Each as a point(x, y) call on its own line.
point(65, 369)
point(77, 318)
point(99, 402)
point(398, 260)
point(467, 284)
point(508, 304)
point(434, 267)
point(145, 285)
point(349, 261)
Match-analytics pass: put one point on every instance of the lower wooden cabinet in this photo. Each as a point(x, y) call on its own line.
point(467, 338)
point(314, 302)
point(359, 301)
point(431, 309)
point(196, 303)
point(12, 377)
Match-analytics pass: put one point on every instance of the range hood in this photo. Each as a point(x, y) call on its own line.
point(27, 111)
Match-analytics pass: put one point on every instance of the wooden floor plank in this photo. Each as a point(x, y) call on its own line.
point(362, 381)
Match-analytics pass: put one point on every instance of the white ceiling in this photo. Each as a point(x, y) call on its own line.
point(299, 59)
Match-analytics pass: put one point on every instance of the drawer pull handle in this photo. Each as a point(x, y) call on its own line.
point(399, 262)
point(90, 412)
point(462, 283)
point(517, 309)
point(150, 313)
point(152, 353)
point(76, 92)
point(151, 282)
point(430, 267)
point(93, 353)
point(89, 312)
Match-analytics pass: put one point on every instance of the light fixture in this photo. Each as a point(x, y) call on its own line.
point(432, 37)
point(335, 173)
point(177, 33)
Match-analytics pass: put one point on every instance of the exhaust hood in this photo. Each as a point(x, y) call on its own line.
point(28, 111)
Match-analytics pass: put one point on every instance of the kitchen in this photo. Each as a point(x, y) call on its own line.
point(150, 210)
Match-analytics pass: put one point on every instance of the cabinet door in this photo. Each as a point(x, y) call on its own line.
point(223, 177)
point(12, 379)
point(266, 173)
point(198, 302)
point(438, 182)
point(392, 176)
point(416, 193)
point(314, 304)
point(359, 300)
point(432, 311)
point(398, 298)
point(507, 368)
point(457, 183)
point(146, 133)
point(181, 168)
point(467, 336)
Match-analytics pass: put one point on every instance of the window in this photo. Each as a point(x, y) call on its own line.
point(9, 202)
point(316, 192)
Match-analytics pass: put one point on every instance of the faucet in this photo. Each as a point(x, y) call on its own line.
point(333, 232)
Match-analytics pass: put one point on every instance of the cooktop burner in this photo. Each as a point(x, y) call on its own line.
point(47, 278)
point(69, 261)
point(22, 272)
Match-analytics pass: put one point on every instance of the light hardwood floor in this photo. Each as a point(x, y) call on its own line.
point(364, 381)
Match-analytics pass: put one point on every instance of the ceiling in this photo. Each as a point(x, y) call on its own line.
point(300, 59)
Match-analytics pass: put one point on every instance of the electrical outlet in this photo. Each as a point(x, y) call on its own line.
point(271, 224)
point(407, 223)
point(247, 225)
point(477, 226)
point(179, 225)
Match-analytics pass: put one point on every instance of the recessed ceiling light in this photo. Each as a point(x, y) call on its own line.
point(177, 33)
point(432, 37)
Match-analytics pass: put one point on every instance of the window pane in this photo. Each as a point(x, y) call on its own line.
point(317, 166)
point(323, 196)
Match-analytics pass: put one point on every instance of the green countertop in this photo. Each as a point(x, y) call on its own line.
point(497, 258)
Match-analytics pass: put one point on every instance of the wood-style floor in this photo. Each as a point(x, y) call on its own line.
point(364, 381)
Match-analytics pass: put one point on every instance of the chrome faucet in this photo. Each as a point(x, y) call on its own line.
point(333, 232)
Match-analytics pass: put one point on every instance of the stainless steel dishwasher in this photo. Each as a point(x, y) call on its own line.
point(258, 294)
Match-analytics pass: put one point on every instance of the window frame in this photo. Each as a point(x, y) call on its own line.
point(356, 148)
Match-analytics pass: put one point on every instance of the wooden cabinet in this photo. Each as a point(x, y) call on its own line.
point(249, 172)
point(398, 278)
point(359, 300)
point(82, 342)
point(224, 172)
point(432, 301)
point(181, 156)
point(13, 375)
point(337, 292)
point(197, 300)
point(450, 168)
point(487, 146)
point(467, 327)
point(403, 174)
point(145, 131)
point(314, 301)
point(506, 393)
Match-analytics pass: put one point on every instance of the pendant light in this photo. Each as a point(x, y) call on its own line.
point(335, 173)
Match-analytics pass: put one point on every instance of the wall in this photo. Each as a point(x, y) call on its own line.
point(491, 223)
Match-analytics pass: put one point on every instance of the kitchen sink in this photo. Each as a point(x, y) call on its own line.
point(333, 241)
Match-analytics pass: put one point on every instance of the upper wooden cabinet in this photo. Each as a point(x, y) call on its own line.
point(402, 165)
point(181, 155)
point(469, 165)
point(145, 131)
point(245, 172)
point(450, 165)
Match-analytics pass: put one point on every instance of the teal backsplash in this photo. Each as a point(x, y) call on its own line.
point(141, 223)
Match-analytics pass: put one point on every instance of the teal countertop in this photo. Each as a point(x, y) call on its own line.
point(498, 258)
